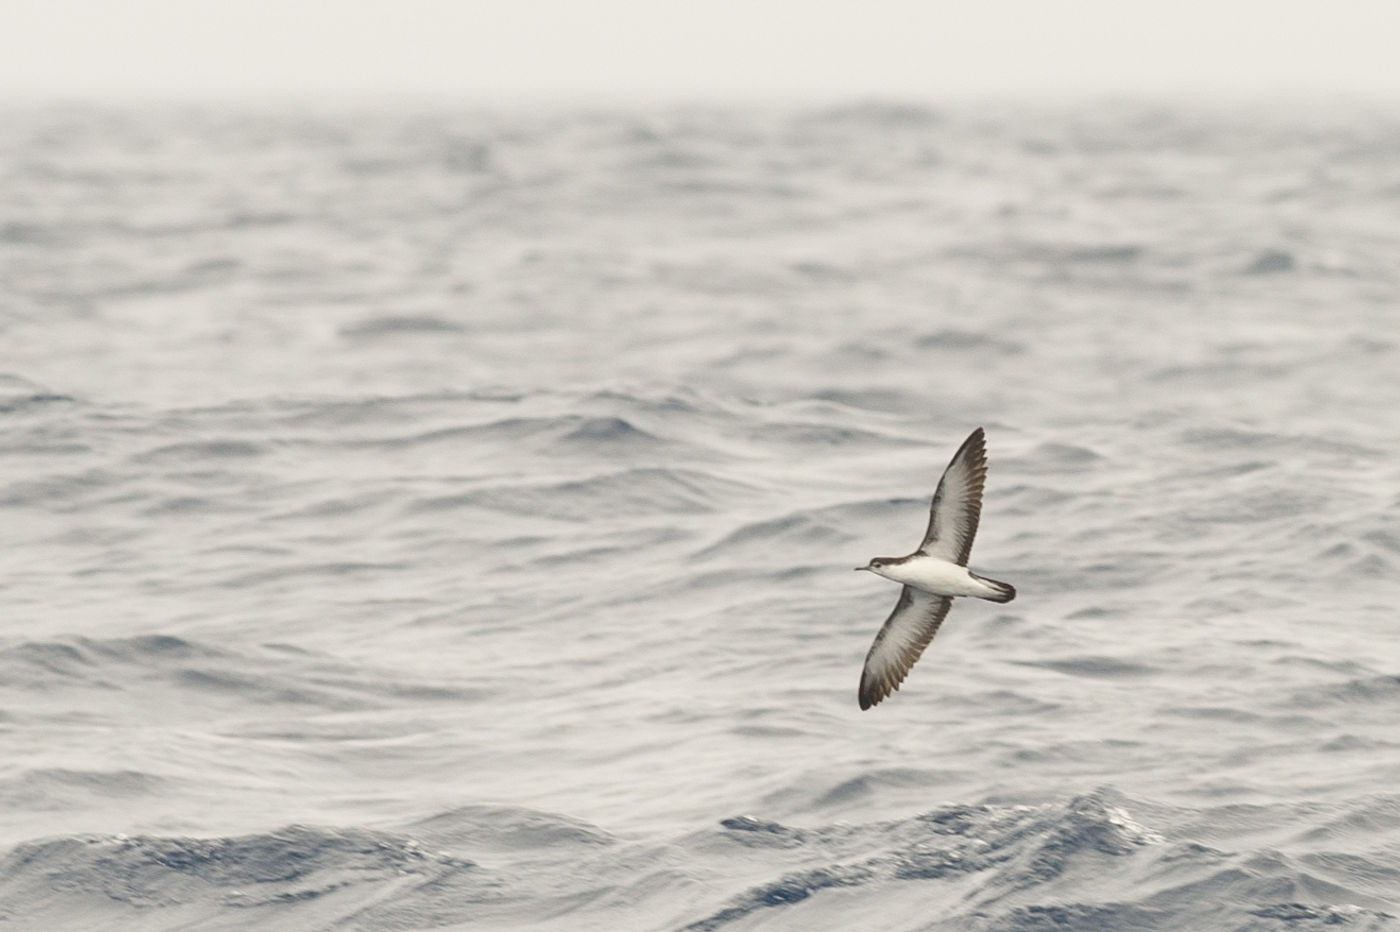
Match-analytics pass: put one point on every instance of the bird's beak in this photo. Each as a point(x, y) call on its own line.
point(859, 568)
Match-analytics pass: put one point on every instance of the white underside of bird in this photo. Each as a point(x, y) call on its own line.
point(939, 577)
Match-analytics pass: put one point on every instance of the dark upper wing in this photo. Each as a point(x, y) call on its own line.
point(906, 633)
point(952, 520)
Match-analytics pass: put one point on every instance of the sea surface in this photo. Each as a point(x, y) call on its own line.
point(443, 518)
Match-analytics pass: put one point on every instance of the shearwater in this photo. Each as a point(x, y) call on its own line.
point(932, 575)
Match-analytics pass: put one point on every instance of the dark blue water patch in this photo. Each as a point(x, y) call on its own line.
point(793, 434)
point(1372, 565)
point(1051, 253)
point(397, 325)
point(604, 430)
point(1271, 262)
point(374, 165)
point(1108, 252)
point(1098, 667)
point(115, 878)
point(925, 863)
point(181, 506)
point(36, 444)
point(1385, 538)
point(18, 396)
point(872, 399)
point(767, 732)
point(30, 234)
point(1380, 690)
point(36, 663)
point(1093, 822)
point(787, 890)
point(44, 658)
point(1307, 661)
point(1075, 917)
point(62, 492)
point(1001, 851)
point(964, 340)
point(822, 272)
point(610, 436)
point(218, 269)
point(750, 831)
point(255, 688)
point(256, 219)
point(1305, 916)
point(1217, 713)
point(203, 450)
point(1094, 612)
point(1350, 743)
point(1242, 439)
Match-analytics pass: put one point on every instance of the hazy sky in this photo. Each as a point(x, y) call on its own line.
point(754, 49)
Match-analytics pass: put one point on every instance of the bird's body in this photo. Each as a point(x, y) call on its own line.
point(938, 577)
point(933, 575)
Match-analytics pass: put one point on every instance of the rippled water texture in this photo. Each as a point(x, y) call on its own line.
point(444, 519)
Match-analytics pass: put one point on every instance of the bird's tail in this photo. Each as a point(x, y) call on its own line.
point(1001, 592)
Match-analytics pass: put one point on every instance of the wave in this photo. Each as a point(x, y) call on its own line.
point(630, 492)
point(324, 876)
point(461, 868)
point(987, 854)
point(995, 867)
point(174, 676)
point(19, 395)
point(508, 828)
point(799, 529)
point(1380, 691)
point(1091, 861)
point(61, 788)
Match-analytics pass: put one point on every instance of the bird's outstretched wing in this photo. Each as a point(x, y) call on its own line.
point(957, 505)
point(906, 633)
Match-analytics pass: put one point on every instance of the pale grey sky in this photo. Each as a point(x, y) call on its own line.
point(722, 49)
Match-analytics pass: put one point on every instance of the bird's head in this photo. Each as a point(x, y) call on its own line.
point(878, 565)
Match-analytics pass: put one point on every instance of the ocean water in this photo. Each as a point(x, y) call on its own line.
point(444, 519)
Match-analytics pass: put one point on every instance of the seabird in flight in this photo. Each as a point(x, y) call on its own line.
point(932, 575)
